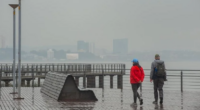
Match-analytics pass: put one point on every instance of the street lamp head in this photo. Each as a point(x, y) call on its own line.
point(14, 5)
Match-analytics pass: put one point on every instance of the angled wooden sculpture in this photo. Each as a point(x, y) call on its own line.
point(62, 87)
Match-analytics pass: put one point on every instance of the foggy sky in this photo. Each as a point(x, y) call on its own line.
point(148, 24)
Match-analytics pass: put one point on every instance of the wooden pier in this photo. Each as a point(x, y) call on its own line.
point(33, 71)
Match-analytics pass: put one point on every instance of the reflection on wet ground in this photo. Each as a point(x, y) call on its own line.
point(108, 99)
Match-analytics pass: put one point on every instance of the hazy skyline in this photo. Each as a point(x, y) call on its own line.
point(148, 25)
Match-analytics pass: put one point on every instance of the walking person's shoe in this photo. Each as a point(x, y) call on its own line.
point(134, 104)
point(161, 100)
point(155, 102)
point(141, 101)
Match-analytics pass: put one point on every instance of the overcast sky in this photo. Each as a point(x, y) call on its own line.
point(148, 24)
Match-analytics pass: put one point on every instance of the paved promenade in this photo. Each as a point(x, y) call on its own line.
point(108, 99)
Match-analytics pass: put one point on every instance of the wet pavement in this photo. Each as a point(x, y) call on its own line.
point(108, 99)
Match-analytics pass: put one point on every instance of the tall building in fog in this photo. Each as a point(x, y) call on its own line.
point(120, 46)
point(50, 54)
point(92, 47)
point(3, 42)
point(82, 46)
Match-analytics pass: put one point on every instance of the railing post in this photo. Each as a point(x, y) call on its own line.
point(6, 69)
point(32, 69)
point(27, 69)
point(65, 68)
point(102, 77)
point(111, 68)
point(0, 75)
point(61, 67)
point(105, 68)
point(114, 68)
point(84, 80)
point(124, 69)
point(36, 68)
point(121, 79)
point(41, 68)
point(45, 68)
point(93, 68)
point(14, 79)
point(111, 81)
point(38, 82)
point(77, 80)
point(181, 81)
point(17, 77)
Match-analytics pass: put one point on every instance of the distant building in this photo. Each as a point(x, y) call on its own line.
point(92, 48)
point(82, 46)
point(120, 46)
point(3, 42)
point(50, 54)
point(72, 56)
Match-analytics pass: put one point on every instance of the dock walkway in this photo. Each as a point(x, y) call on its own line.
point(108, 99)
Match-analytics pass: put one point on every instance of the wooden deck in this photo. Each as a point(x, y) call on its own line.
point(108, 99)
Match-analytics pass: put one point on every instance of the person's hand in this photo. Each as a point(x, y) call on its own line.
point(151, 80)
point(139, 82)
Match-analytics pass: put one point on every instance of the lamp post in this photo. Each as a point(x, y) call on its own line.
point(19, 55)
point(14, 6)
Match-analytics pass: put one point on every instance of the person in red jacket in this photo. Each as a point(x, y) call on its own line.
point(136, 78)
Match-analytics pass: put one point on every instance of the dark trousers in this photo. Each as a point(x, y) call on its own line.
point(158, 86)
point(135, 93)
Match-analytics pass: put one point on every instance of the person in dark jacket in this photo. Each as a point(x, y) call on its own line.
point(158, 81)
point(136, 78)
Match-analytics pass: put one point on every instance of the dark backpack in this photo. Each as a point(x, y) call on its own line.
point(160, 69)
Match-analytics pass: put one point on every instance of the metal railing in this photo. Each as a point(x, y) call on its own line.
point(65, 67)
point(178, 79)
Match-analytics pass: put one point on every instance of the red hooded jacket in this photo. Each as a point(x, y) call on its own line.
point(136, 74)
